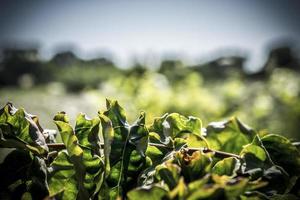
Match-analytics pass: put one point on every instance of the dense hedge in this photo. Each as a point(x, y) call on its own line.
point(175, 157)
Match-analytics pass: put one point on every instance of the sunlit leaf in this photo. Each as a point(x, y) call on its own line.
point(227, 166)
point(194, 166)
point(180, 191)
point(174, 131)
point(127, 152)
point(77, 172)
point(258, 164)
point(169, 173)
point(108, 135)
point(19, 129)
point(147, 193)
point(87, 132)
point(229, 136)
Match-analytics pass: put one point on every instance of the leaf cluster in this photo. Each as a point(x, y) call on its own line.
point(175, 157)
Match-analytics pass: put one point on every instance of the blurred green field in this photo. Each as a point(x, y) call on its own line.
point(269, 105)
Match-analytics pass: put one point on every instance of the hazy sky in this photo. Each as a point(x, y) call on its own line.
point(151, 28)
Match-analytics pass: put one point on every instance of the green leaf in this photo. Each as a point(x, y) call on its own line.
point(158, 127)
point(78, 171)
point(171, 126)
point(227, 166)
point(87, 132)
point(19, 129)
point(255, 159)
point(255, 150)
point(209, 192)
point(176, 125)
point(199, 183)
point(139, 134)
point(255, 195)
point(147, 193)
point(193, 166)
point(229, 136)
point(180, 191)
point(258, 164)
point(283, 153)
point(156, 154)
point(233, 187)
point(169, 173)
point(67, 135)
point(173, 131)
point(62, 181)
point(108, 135)
point(127, 152)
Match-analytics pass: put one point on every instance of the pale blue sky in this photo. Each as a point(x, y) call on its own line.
point(148, 29)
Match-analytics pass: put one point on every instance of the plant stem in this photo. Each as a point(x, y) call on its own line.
point(220, 154)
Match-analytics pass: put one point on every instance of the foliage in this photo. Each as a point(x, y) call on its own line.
point(175, 157)
point(194, 94)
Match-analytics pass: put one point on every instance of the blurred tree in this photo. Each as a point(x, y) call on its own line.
point(65, 59)
point(17, 63)
point(174, 70)
point(221, 68)
point(282, 57)
point(279, 57)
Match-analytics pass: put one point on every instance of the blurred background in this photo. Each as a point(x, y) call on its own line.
point(210, 59)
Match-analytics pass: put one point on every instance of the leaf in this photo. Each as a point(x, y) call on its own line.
point(158, 128)
point(108, 135)
point(255, 195)
point(218, 187)
point(283, 153)
point(77, 172)
point(62, 181)
point(174, 131)
point(284, 197)
point(180, 191)
point(229, 136)
point(254, 150)
point(176, 125)
point(74, 151)
point(258, 164)
point(199, 183)
point(147, 193)
point(273, 176)
point(209, 192)
point(156, 154)
point(139, 134)
point(87, 131)
point(194, 166)
point(227, 166)
point(255, 159)
point(67, 135)
point(233, 187)
point(23, 174)
point(127, 152)
point(19, 129)
point(169, 173)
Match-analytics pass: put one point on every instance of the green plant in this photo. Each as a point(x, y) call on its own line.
point(173, 158)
